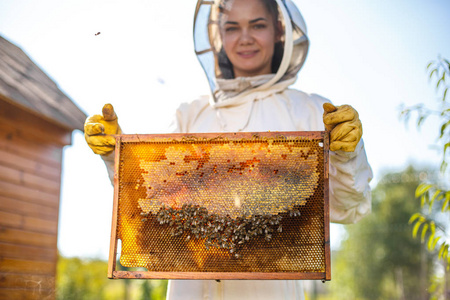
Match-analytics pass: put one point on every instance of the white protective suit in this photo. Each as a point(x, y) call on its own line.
point(266, 103)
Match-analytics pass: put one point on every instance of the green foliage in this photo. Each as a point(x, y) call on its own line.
point(380, 259)
point(146, 290)
point(86, 279)
point(79, 279)
point(439, 71)
point(431, 194)
point(431, 197)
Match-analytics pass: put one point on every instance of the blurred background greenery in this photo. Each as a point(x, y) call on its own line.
point(86, 279)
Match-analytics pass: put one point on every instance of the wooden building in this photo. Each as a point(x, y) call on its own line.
point(36, 122)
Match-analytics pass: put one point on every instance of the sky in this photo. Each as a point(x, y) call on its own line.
point(369, 54)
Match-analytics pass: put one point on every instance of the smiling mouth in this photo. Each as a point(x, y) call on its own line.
point(247, 54)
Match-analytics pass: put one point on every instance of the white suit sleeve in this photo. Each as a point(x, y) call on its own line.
point(109, 163)
point(350, 193)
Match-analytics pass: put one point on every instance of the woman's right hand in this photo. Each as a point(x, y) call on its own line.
point(99, 131)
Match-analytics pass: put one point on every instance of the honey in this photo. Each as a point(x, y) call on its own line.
point(246, 205)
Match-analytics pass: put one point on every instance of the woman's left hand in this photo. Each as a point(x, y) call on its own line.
point(344, 126)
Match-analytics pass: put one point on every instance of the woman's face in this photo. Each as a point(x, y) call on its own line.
point(248, 37)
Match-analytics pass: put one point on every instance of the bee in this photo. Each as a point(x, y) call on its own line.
point(294, 213)
point(218, 231)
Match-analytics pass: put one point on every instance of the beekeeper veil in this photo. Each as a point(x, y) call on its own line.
point(289, 53)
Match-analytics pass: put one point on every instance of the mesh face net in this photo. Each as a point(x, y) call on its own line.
point(222, 204)
point(208, 40)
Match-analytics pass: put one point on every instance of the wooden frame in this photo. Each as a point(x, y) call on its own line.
point(325, 275)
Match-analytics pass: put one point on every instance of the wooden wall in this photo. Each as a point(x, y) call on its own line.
point(30, 175)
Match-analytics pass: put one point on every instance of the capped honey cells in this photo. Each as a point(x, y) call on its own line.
point(224, 203)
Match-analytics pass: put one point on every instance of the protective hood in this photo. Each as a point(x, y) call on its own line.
point(289, 54)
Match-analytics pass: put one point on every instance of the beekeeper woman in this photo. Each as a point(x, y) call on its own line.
point(251, 51)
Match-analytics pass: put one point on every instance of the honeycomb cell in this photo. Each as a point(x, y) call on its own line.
point(225, 203)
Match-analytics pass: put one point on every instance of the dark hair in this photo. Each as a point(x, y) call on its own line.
point(225, 65)
point(271, 7)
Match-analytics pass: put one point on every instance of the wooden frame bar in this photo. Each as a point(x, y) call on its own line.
point(113, 273)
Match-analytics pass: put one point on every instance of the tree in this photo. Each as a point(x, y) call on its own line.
point(379, 259)
point(434, 194)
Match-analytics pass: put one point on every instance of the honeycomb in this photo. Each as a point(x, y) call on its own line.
point(222, 203)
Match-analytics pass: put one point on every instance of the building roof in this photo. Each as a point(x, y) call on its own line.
point(24, 84)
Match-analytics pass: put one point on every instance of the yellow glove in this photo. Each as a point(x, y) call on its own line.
point(99, 131)
point(345, 126)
